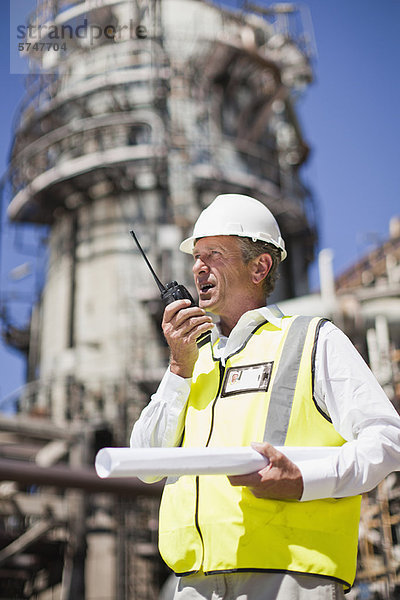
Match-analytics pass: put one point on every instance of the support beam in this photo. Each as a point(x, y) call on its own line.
point(37, 428)
point(30, 536)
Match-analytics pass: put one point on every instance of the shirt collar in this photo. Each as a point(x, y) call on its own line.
point(272, 314)
point(251, 319)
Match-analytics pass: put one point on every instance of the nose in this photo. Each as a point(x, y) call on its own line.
point(199, 266)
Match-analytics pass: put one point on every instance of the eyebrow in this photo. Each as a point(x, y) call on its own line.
point(208, 248)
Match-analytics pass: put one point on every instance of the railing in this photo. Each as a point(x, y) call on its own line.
point(85, 73)
point(290, 21)
point(64, 145)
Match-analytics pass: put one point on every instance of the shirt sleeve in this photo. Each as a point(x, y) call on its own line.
point(361, 413)
point(162, 420)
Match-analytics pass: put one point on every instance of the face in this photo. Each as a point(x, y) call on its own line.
point(223, 281)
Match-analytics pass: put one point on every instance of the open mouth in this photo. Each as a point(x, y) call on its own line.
point(206, 287)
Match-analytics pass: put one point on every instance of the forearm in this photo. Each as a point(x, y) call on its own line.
point(161, 422)
point(357, 467)
point(361, 413)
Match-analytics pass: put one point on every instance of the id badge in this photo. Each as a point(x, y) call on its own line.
point(251, 378)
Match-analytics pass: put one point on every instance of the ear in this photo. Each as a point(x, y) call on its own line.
point(260, 268)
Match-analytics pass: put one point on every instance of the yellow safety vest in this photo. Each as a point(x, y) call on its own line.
point(264, 393)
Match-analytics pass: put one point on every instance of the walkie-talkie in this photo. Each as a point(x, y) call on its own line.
point(171, 291)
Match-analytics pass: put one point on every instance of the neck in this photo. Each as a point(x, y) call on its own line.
point(228, 322)
point(227, 326)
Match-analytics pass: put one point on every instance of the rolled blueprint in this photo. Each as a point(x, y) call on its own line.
point(163, 462)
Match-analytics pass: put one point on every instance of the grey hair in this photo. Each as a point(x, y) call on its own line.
point(251, 250)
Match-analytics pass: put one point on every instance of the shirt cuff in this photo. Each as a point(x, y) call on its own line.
point(174, 386)
point(319, 478)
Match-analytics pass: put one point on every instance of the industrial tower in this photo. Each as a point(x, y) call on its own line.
point(137, 122)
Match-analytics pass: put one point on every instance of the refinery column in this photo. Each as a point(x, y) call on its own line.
point(142, 113)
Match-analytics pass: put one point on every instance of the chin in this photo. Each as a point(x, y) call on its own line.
point(206, 304)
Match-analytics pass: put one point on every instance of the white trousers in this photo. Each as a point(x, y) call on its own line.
point(257, 586)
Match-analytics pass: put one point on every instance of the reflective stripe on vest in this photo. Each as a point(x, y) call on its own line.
point(207, 524)
point(280, 405)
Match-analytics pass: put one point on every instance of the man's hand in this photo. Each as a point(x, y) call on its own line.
point(280, 480)
point(182, 325)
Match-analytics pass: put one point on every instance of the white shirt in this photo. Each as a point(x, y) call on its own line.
point(345, 389)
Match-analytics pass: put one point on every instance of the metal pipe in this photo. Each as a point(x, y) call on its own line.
point(82, 478)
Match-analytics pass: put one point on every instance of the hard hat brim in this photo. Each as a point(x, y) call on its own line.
point(188, 244)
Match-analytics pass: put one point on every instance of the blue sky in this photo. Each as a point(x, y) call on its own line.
point(349, 117)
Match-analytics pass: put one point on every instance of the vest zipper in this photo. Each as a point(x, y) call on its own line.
point(221, 378)
point(196, 516)
point(196, 519)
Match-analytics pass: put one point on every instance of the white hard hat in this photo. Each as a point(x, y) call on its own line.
point(236, 214)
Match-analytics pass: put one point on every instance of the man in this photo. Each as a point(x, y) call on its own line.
point(290, 530)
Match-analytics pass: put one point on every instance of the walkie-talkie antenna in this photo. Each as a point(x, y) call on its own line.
point(161, 287)
point(171, 291)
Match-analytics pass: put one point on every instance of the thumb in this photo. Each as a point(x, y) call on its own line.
point(263, 448)
point(257, 446)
